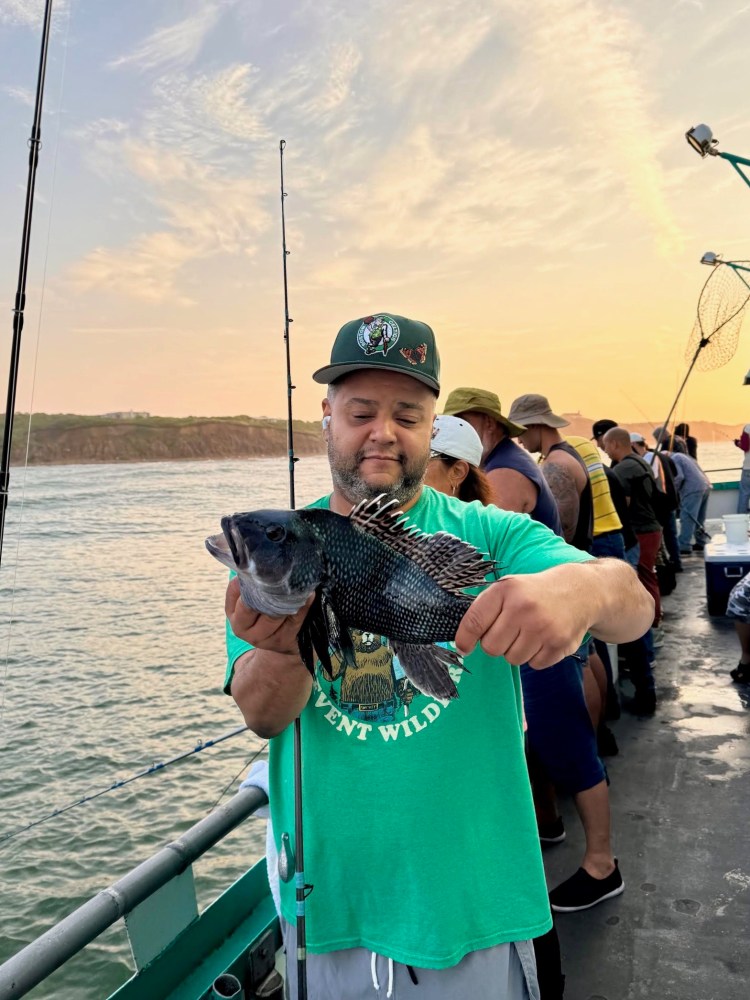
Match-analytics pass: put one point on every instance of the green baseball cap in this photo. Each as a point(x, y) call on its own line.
point(385, 341)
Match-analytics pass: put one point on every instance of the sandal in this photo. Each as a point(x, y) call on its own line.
point(741, 673)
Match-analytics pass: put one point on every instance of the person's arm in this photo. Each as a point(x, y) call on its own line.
point(564, 490)
point(511, 490)
point(270, 683)
point(540, 618)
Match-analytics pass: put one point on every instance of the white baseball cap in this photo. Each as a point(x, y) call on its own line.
point(456, 438)
point(636, 438)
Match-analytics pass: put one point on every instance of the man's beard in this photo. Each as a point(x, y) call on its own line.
point(348, 480)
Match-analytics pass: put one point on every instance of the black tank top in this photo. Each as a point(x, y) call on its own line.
point(509, 455)
point(584, 533)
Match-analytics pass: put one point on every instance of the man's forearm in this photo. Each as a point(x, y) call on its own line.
point(270, 689)
point(625, 608)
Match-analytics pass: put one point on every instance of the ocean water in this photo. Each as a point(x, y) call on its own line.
point(112, 658)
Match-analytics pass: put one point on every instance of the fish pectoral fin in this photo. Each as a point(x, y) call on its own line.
point(426, 666)
point(313, 640)
point(339, 636)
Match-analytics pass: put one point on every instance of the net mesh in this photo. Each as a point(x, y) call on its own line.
point(721, 309)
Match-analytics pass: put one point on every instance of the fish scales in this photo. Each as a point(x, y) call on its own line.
point(376, 589)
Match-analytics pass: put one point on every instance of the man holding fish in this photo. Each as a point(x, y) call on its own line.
point(420, 834)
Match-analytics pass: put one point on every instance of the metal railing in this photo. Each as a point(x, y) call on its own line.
point(41, 957)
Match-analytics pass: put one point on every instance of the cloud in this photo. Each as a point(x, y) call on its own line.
point(20, 94)
point(29, 13)
point(203, 213)
point(175, 45)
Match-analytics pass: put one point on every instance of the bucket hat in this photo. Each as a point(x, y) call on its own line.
point(535, 409)
point(466, 400)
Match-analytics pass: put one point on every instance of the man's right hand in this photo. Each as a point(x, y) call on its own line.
point(279, 635)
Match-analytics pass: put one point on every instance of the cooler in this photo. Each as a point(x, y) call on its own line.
point(725, 565)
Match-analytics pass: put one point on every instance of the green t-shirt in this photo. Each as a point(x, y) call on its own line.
point(420, 835)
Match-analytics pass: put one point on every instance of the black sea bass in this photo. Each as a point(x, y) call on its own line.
point(369, 571)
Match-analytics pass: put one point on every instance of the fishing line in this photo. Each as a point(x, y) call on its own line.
point(22, 500)
point(152, 769)
point(247, 763)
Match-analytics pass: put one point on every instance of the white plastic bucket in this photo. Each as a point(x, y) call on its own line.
point(735, 528)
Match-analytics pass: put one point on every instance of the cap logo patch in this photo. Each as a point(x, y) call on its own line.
point(378, 334)
point(415, 355)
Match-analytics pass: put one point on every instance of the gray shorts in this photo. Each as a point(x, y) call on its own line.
point(738, 605)
point(505, 972)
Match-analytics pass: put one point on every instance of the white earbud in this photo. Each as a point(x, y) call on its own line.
point(325, 422)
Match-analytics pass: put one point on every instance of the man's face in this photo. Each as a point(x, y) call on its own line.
point(639, 447)
point(379, 435)
point(610, 448)
point(486, 427)
point(531, 439)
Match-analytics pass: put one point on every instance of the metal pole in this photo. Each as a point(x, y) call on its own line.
point(20, 302)
point(52, 949)
point(301, 888)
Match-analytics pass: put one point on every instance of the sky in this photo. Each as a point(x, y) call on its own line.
point(513, 174)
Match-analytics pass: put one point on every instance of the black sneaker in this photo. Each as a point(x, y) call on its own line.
point(552, 833)
point(582, 891)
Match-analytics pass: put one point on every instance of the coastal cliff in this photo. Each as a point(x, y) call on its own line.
point(67, 439)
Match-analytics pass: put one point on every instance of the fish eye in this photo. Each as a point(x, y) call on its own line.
point(275, 533)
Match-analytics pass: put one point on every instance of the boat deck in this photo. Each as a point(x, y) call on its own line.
point(680, 801)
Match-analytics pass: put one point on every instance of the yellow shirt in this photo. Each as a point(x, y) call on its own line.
point(605, 516)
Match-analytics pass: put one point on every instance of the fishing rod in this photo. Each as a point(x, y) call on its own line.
point(35, 143)
point(302, 889)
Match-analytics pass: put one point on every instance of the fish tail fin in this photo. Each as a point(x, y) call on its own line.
point(426, 666)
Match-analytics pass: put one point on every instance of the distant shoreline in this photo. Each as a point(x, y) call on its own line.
point(72, 439)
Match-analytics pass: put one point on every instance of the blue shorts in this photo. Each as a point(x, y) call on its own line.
point(560, 732)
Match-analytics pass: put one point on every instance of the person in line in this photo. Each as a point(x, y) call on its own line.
point(694, 488)
point(639, 654)
point(672, 443)
point(598, 429)
point(561, 735)
point(691, 443)
point(472, 890)
point(743, 443)
point(455, 460)
point(562, 466)
point(664, 471)
point(637, 481)
point(607, 541)
point(517, 484)
point(738, 608)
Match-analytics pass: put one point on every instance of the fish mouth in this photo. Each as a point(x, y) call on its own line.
point(218, 546)
point(229, 547)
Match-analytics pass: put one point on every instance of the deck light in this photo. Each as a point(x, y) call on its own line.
point(701, 139)
point(712, 259)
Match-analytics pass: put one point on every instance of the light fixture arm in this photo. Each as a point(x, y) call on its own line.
point(736, 161)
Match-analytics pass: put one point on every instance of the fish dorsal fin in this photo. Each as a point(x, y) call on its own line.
point(451, 563)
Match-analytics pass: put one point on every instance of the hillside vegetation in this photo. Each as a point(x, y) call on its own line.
point(67, 438)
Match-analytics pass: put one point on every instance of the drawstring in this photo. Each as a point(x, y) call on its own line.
point(373, 970)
